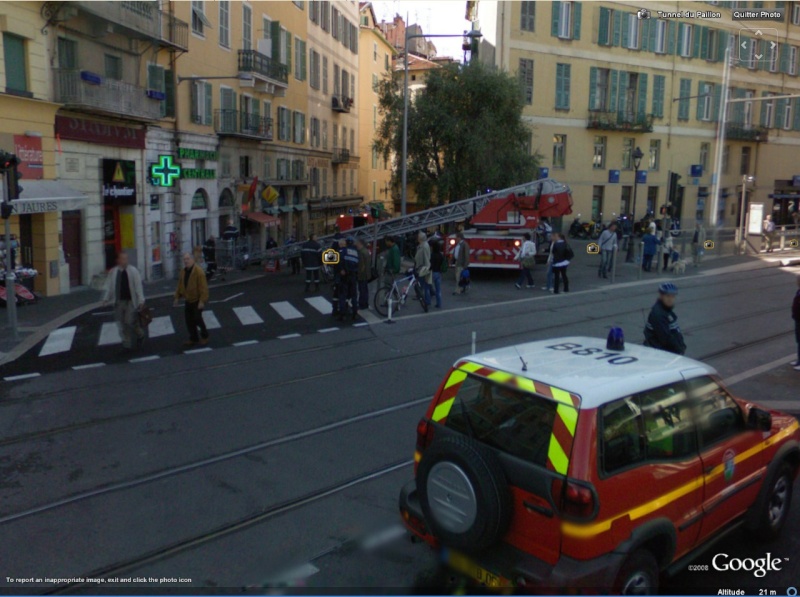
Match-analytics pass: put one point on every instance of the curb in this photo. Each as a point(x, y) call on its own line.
point(44, 330)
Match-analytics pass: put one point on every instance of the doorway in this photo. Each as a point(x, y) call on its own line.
point(111, 239)
point(71, 244)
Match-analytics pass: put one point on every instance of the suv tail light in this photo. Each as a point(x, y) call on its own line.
point(576, 500)
point(424, 434)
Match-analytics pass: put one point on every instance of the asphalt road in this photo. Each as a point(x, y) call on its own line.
point(279, 462)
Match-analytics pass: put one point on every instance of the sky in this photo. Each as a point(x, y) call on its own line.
point(435, 16)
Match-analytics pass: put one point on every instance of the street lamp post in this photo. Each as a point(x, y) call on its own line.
point(637, 161)
point(742, 231)
point(404, 166)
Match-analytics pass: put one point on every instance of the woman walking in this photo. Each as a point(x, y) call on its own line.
point(527, 259)
point(437, 265)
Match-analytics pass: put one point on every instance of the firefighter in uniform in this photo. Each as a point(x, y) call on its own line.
point(348, 275)
point(662, 330)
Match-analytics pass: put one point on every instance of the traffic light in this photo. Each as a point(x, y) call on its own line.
point(9, 165)
point(672, 191)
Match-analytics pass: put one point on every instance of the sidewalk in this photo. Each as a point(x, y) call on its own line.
point(35, 322)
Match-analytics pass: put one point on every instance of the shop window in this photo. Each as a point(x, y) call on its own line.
point(226, 198)
point(200, 199)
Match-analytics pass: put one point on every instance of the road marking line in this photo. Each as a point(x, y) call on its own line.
point(245, 343)
point(89, 366)
point(152, 357)
point(59, 340)
point(295, 574)
point(321, 304)
point(286, 310)
point(360, 324)
point(225, 300)
point(247, 315)
point(109, 334)
point(211, 321)
point(23, 376)
point(287, 336)
point(196, 350)
point(161, 326)
point(326, 330)
point(734, 379)
point(383, 537)
point(369, 317)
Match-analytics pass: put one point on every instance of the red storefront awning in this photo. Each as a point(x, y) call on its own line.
point(262, 218)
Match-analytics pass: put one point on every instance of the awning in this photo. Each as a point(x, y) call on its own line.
point(261, 218)
point(41, 196)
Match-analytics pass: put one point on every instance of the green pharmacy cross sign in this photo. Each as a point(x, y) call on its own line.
point(165, 172)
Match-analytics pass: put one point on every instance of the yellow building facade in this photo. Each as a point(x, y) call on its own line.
point(599, 82)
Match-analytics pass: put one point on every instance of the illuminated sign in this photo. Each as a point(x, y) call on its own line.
point(204, 173)
point(186, 153)
point(165, 172)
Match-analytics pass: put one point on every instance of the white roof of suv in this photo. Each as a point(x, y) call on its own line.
point(598, 377)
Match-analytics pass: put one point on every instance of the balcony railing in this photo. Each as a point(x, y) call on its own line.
point(242, 124)
point(143, 19)
point(254, 62)
point(341, 103)
point(106, 95)
point(619, 121)
point(340, 155)
point(741, 132)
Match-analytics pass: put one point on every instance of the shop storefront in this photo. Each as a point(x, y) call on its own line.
point(786, 202)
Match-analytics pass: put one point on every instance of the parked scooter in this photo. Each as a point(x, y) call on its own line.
point(578, 229)
point(22, 295)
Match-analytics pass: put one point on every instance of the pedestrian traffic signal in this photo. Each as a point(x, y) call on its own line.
point(13, 177)
point(672, 191)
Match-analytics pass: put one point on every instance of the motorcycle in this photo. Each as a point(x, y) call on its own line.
point(578, 229)
point(595, 229)
point(22, 295)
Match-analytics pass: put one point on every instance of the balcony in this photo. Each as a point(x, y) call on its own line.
point(142, 19)
point(340, 155)
point(617, 121)
point(86, 91)
point(234, 123)
point(341, 103)
point(270, 74)
point(741, 132)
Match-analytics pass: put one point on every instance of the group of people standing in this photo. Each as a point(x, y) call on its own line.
point(559, 256)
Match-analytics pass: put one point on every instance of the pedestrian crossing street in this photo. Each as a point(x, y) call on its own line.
point(63, 339)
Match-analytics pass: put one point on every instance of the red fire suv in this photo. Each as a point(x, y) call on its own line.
point(562, 463)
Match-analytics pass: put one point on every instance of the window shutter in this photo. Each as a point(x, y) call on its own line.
point(703, 42)
point(696, 40)
point(617, 28)
point(796, 113)
point(644, 37)
point(613, 76)
point(658, 95)
point(289, 51)
point(593, 87)
point(701, 89)
point(683, 104)
point(716, 107)
point(641, 109)
point(256, 108)
point(624, 25)
point(304, 65)
point(784, 60)
point(555, 7)
point(195, 107)
point(764, 110)
point(275, 34)
point(169, 91)
point(671, 37)
point(780, 106)
point(624, 81)
point(651, 41)
point(722, 45)
point(738, 107)
point(602, 34)
point(208, 100)
point(576, 20)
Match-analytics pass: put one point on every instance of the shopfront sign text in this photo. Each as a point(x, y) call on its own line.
point(100, 133)
point(186, 153)
point(204, 173)
point(119, 182)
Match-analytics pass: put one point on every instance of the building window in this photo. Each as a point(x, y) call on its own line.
point(627, 153)
point(652, 199)
point(562, 19)
point(655, 154)
point(314, 132)
point(598, 88)
point(324, 134)
point(599, 159)
point(744, 164)
point(597, 202)
point(162, 80)
point(67, 53)
point(325, 75)
point(605, 33)
point(201, 102)
point(559, 151)
point(752, 60)
point(787, 115)
point(199, 20)
point(660, 46)
point(659, 85)
point(633, 31)
point(247, 27)
point(705, 149)
point(704, 101)
point(374, 52)
point(224, 23)
point(375, 117)
point(625, 200)
point(683, 102)
point(795, 13)
point(768, 112)
point(374, 159)
point(299, 127)
point(353, 140)
point(562, 86)
point(726, 158)
point(113, 67)
point(314, 59)
point(284, 117)
point(525, 74)
point(527, 16)
point(772, 56)
point(685, 36)
point(792, 67)
point(16, 64)
point(299, 59)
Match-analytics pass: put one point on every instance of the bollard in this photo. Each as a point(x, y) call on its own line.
point(390, 320)
point(639, 248)
point(474, 336)
point(614, 265)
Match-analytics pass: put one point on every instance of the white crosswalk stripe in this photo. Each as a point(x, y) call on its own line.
point(59, 340)
point(212, 323)
point(247, 315)
point(286, 310)
point(109, 334)
point(321, 304)
point(161, 326)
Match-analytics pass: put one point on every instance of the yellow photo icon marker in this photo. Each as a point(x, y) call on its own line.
point(593, 248)
point(330, 257)
point(709, 244)
point(794, 243)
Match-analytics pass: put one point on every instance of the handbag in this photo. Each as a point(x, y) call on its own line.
point(145, 316)
point(529, 262)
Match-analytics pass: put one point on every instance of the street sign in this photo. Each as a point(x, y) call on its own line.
point(696, 170)
point(544, 172)
point(641, 177)
point(613, 176)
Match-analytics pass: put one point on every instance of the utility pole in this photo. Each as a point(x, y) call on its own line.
point(11, 298)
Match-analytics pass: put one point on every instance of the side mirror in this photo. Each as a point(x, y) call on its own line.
point(759, 419)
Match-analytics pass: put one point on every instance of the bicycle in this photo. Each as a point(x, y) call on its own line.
point(398, 293)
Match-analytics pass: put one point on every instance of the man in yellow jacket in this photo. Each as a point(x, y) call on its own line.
point(193, 287)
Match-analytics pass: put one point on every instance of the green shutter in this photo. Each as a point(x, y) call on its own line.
point(704, 42)
point(651, 42)
point(696, 40)
point(169, 91)
point(593, 87)
point(780, 106)
point(763, 110)
point(624, 81)
point(700, 100)
point(784, 59)
point(303, 64)
point(617, 29)
point(658, 96)
point(256, 108)
point(641, 109)
point(683, 104)
point(275, 32)
point(555, 7)
point(614, 88)
point(722, 45)
point(644, 38)
point(14, 53)
point(624, 26)
point(195, 109)
point(796, 114)
point(576, 20)
point(559, 85)
point(738, 107)
point(209, 104)
point(289, 51)
point(602, 34)
point(671, 37)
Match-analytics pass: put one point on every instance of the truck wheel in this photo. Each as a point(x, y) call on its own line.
point(775, 509)
point(638, 575)
point(463, 493)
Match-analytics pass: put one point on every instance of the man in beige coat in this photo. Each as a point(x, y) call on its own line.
point(422, 265)
point(125, 292)
point(193, 286)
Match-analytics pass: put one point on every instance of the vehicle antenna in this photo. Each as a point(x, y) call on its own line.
point(524, 364)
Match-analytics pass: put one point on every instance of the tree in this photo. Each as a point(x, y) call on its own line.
point(465, 132)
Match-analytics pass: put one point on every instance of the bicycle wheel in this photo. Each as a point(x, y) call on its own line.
point(420, 297)
point(381, 301)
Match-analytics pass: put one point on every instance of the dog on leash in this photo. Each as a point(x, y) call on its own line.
point(678, 267)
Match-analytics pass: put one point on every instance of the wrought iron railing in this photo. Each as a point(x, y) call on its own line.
point(108, 95)
point(340, 155)
point(242, 124)
point(341, 103)
point(620, 121)
point(741, 132)
point(252, 61)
